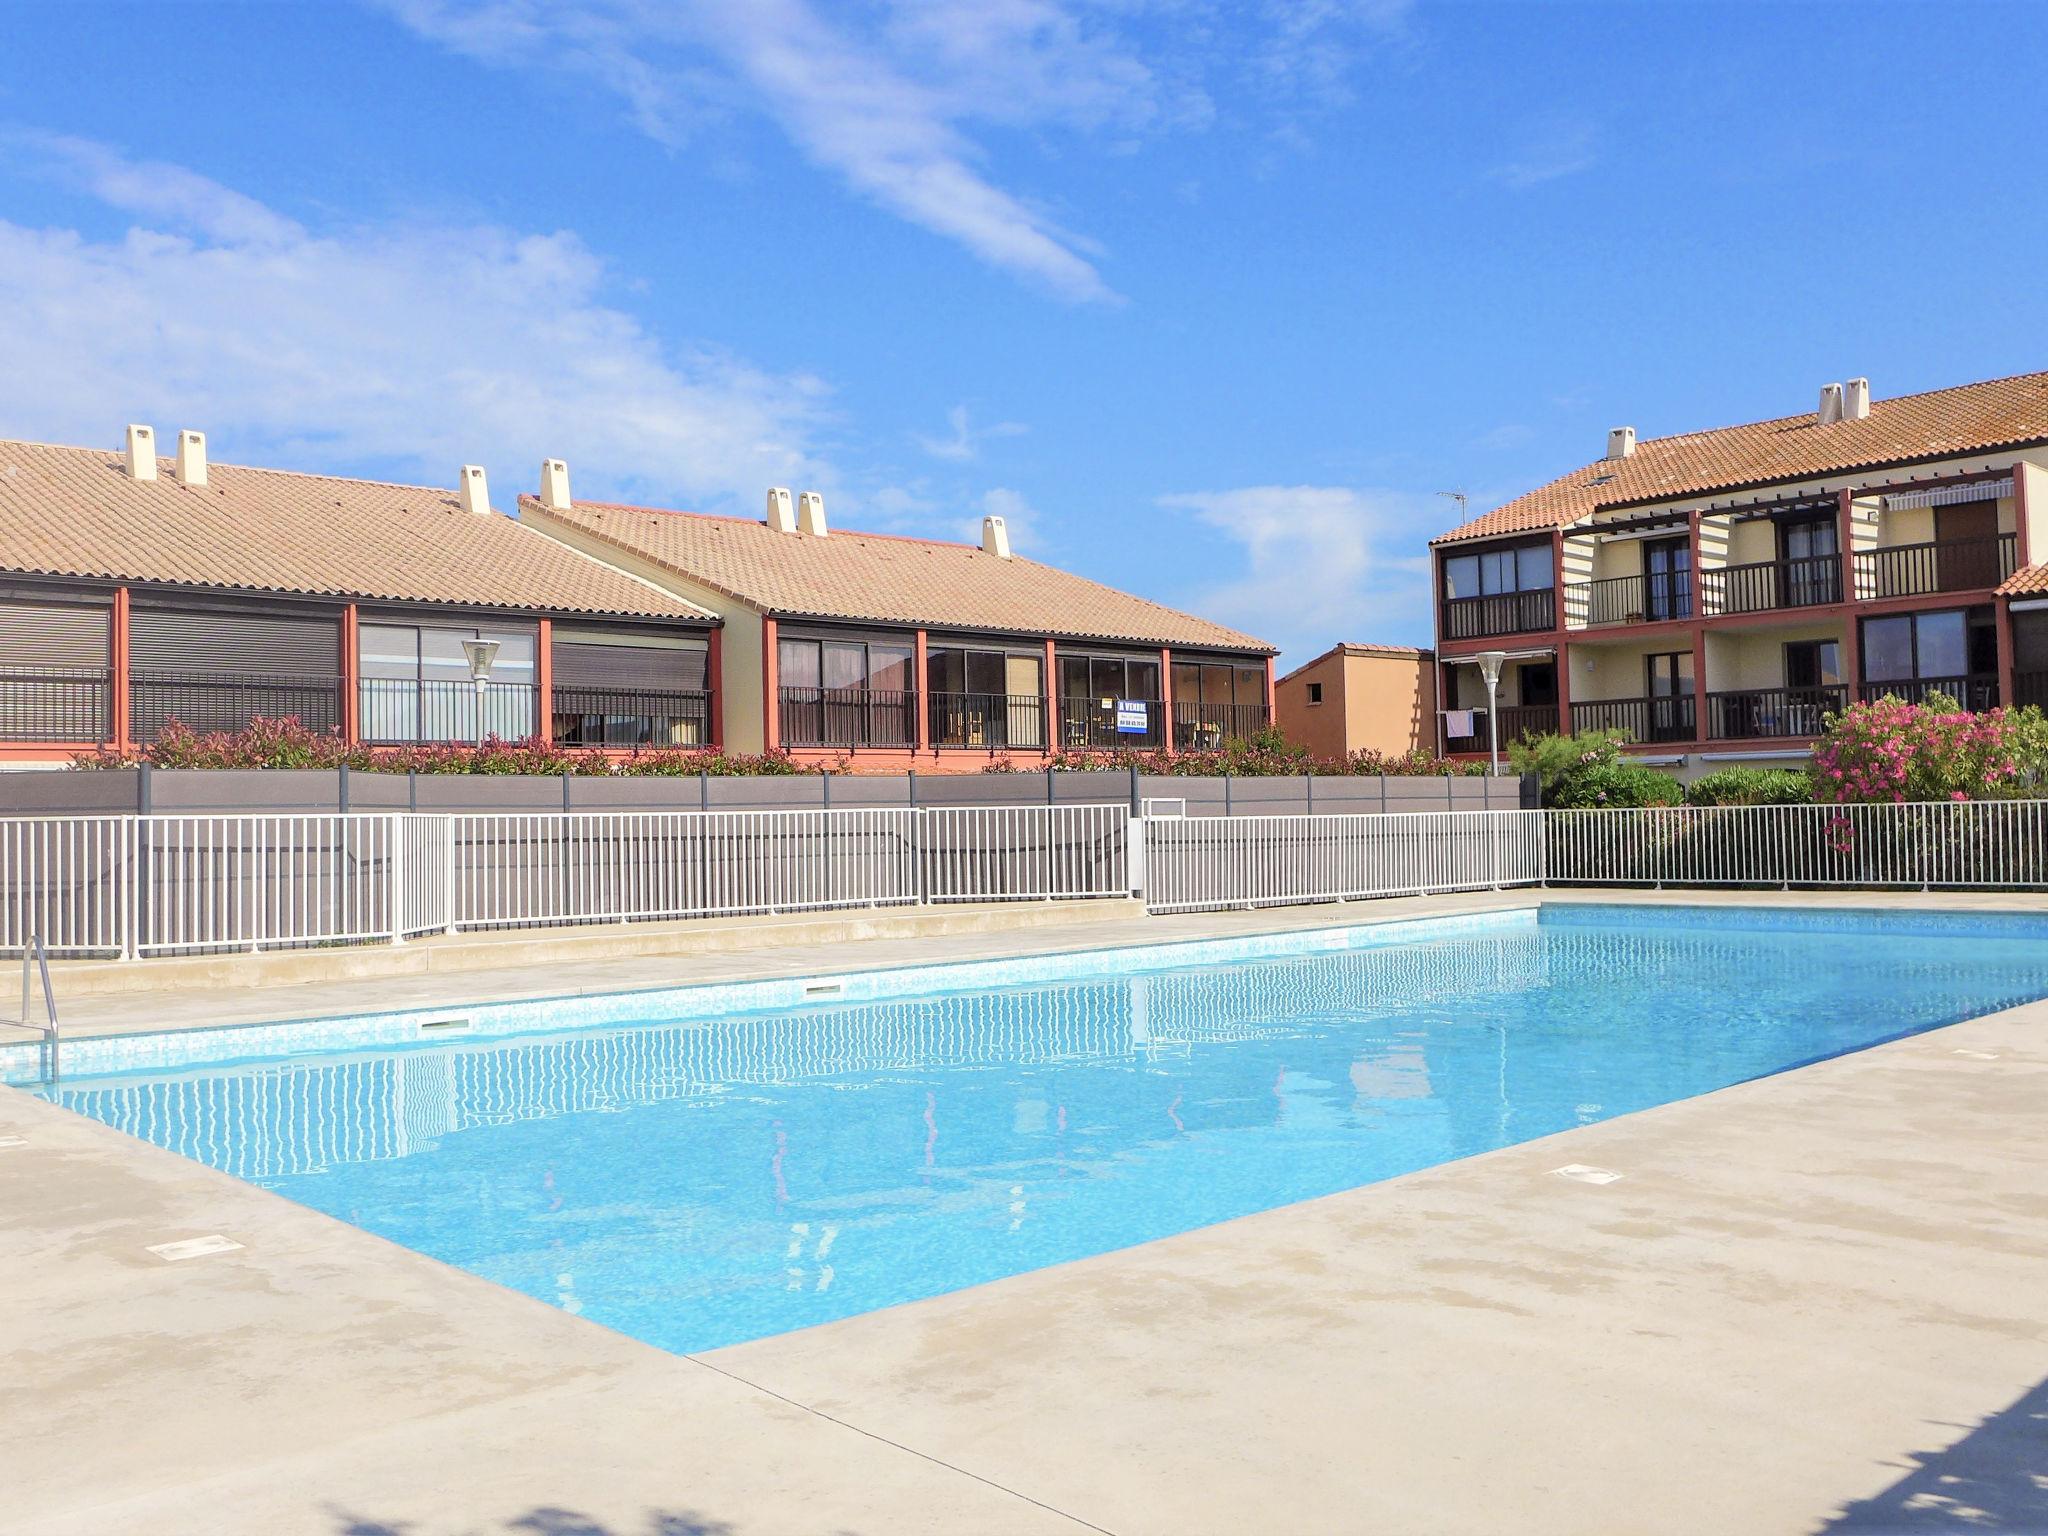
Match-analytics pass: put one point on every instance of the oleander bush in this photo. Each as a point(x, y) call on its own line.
point(1888, 751)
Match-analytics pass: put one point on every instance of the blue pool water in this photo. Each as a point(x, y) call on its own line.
point(702, 1183)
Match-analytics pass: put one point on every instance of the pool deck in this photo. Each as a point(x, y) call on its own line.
point(1811, 1303)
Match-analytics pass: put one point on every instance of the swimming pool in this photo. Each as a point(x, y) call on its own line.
point(704, 1182)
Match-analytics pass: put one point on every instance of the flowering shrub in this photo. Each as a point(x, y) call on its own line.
point(1889, 751)
point(288, 743)
point(1263, 754)
point(1588, 772)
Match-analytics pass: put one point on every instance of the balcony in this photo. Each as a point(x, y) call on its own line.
point(1975, 692)
point(1951, 565)
point(1628, 600)
point(1516, 722)
point(55, 704)
point(1769, 585)
point(848, 717)
point(1201, 727)
point(602, 717)
point(228, 701)
point(2030, 688)
point(1667, 718)
point(1759, 714)
point(1096, 724)
point(994, 722)
point(397, 710)
point(1501, 613)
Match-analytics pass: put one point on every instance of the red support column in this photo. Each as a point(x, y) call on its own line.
point(544, 680)
point(351, 674)
point(1564, 689)
point(921, 733)
point(2002, 607)
point(1700, 723)
point(1166, 698)
point(714, 682)
point(1052, 702)
point(120, 726)
point(771, 713)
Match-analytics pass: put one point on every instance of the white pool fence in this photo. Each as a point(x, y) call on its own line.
point(153, 885)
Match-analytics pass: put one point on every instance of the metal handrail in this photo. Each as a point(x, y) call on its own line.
point(52, 1039)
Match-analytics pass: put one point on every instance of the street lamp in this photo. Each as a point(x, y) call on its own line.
point(481, 654)
point(1489, 668)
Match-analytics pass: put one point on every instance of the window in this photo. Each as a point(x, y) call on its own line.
point(1315, 693)
point(986, 697)
point(1214, 701)
point(1667, 578)
point(1811, 574)
point(619, 688)
point(1955, 646)
point(53, 671)
point(1670, 709)
point(1813, 664)
point(1522, 568)
point(1091, 690)
point(416, 684)
point(847, 692)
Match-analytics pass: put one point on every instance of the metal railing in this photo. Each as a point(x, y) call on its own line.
point(1648, 599)
point(631, 717)
point(1668, 717)
point(1939, 565)
point(1516, 722)
point(1748, 714)
point(228, 701)
point(34, 955)
point(1976, 692)
point(1095, 723)
point(394, 710)
point(1765, 585)
point(848, 717)
point(995, 722)
point(55, 704)
point(1199, 727)
point(2001, 843)
point(1209, 862)
point(1499, 613)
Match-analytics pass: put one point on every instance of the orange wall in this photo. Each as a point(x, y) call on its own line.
point(1386, 703)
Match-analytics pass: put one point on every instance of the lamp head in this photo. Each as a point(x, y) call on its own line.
point(1489, 665)
point(481, 654)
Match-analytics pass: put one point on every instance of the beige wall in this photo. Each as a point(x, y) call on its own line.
point(1385, 703)
point(1616, 671)
point(739, 683)
point(1741, 658)
point(2036, 486)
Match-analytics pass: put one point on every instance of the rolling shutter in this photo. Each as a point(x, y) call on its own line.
point(53, 672)
point(618, 666)
point(216, 670)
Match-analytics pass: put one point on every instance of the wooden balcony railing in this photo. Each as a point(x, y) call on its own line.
point(1516, 722)
point(1766, 585)
point(1628, 600)
point(1752, 714)
point(848, 717)
point(55, 704)
point(1668, 718)
point(1501, 613)
point(1942, 565)
point(996, 722)
point(1199, 727)
point(1976, 692)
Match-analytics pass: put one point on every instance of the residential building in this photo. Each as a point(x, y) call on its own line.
point(1716, 594)
point(137, 588)
point(1354, 698)
point(898, 652)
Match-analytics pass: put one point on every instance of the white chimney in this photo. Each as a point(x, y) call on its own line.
point(554, 484)
point(1830, 405)
point(476, 493)
point(1856, 400)
point(810, 514)
point(192, 458)
point(1621, 442)
point(141, 453)
point(781, 509)
point(995, 537)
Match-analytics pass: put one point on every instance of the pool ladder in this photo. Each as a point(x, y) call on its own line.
point(34, 952)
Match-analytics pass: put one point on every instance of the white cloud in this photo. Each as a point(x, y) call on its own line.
point(963, 439)
point(406, 349)
point(1319, 564)
point(1550, 155)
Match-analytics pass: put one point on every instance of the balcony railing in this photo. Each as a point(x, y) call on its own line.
point(1751, 714)
point(996, 722)
point(1667, 718)
point(631, 717)
point(848, 717)
point(393, 710)
point(1628, 600)
point(228, 701)
point(1771, 584)
point(1199, 727)
point(55, 704)
point(1095, 723)
point(1501, 613)
point(1975, 692)
point(1943, 565)
point(1516, 722)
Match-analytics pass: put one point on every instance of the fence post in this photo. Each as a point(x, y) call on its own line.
point(917, 847)
point(341, 788)
point(1134, 854)
point(394, 866)
point(129, 896)
point(448, 852)
point(1135, 807)
point(144, 794)
point(1226, 794)
point(566, 782)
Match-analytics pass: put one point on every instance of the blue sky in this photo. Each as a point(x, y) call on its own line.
point(1210, 299)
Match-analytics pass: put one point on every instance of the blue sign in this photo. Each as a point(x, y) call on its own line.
point(1133, 717)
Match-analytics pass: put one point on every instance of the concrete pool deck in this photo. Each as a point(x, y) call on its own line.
point(1812, 1302)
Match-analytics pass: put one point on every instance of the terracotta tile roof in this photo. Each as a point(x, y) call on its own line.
point(884, 578)
point(1360, 648)
point(76, 512)
point(2027, 579)
point(1969, 418)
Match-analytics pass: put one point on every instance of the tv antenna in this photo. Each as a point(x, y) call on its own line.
point(1460, 498)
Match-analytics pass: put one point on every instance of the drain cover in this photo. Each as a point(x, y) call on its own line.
point(194, 1247)
point(1585, 1174)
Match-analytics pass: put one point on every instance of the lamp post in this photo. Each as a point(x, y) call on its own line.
point(481, 654)
point(1489, 668)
